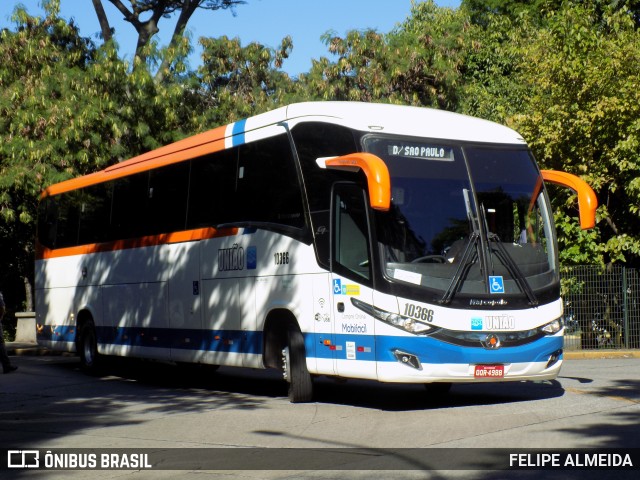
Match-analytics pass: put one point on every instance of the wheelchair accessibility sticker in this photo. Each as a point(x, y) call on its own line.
point(496, 284)
point(340, 289)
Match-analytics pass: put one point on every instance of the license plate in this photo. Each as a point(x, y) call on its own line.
point(488, 371)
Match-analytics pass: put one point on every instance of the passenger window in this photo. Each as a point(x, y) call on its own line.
point(167, 199)
point(95, 210)
point(129, 201)
point(213, 189)
point(268, 186)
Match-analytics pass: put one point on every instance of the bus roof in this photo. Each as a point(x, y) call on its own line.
point(406, 120)
point(366, 117)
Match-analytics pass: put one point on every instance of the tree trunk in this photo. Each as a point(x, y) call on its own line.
point(28, 295)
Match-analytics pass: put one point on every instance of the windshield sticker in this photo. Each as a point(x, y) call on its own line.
point(406, 276)
point(496, 284)
point(425, 152)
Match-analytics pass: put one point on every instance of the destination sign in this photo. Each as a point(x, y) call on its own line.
point(425, 152)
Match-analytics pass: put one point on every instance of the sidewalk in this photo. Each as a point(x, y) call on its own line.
point(27, 348)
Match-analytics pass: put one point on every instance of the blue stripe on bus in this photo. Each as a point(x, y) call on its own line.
point(367, 347)
point(430, 350)
point(230, 341)
point(60, 333)
point(237, 131)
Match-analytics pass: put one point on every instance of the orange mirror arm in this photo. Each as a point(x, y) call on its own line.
point(376, 171)
point(587, 200)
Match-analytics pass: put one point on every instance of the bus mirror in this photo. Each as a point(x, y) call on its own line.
point(587, 200)
point(374, 168)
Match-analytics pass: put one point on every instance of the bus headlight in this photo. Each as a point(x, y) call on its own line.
point(410, 325)
point(553, 327)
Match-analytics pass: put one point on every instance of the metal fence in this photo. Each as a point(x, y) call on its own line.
point(601, 307)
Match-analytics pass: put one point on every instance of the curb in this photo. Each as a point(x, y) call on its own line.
point(600, 354)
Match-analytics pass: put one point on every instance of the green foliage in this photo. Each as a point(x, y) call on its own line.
point(417, 64)
point(68, 108)
point(236, 82)
point(570, 87)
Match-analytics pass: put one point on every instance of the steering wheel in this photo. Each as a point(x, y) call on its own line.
point(430, 258)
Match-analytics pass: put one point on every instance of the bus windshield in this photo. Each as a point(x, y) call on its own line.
point(465, 219)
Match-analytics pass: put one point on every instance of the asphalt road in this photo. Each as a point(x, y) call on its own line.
point(50, 404)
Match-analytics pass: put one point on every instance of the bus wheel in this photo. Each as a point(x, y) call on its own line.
point(88, 348)
point(438, 388)
point(295, 371)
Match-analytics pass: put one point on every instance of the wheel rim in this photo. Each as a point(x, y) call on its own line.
point(286, 364)
point(88, 349)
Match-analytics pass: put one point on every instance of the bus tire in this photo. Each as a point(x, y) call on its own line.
point(295, 368)
point(88, 348)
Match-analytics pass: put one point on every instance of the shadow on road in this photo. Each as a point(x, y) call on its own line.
point(247, 388)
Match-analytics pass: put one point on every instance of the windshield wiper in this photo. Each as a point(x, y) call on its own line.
point(469, 257)
point(512, 268)
point(506, 259)
point(471, 253)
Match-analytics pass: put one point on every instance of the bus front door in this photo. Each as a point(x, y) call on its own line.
point(354, 336)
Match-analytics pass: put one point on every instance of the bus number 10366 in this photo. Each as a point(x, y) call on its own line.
point(281, 258)
point(418, 312)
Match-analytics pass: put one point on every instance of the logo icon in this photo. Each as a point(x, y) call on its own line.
point(492, 342)
point(337, 287)
point(496, 284)
point(476, 324)
point(23, 459)
point(252, 258)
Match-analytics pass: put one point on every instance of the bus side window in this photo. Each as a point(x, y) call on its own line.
point(268, 185)
point(212, 189)
point(129, 203)
point(68, 219)
point(167, 194)
point(350, 246)
point(95, 210)
point(314, 140)
point(48, 221)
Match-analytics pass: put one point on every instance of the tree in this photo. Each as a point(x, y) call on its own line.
point(68, 108)
point(236, 82)
point(155, 10)
point(417, 64)
point(481, 10)
point(570, 88)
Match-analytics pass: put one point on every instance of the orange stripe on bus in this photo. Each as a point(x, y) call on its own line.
point(201, 141)
point(44, 253)
point(187, 149)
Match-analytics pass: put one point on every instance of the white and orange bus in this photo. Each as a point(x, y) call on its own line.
point(351, 240)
